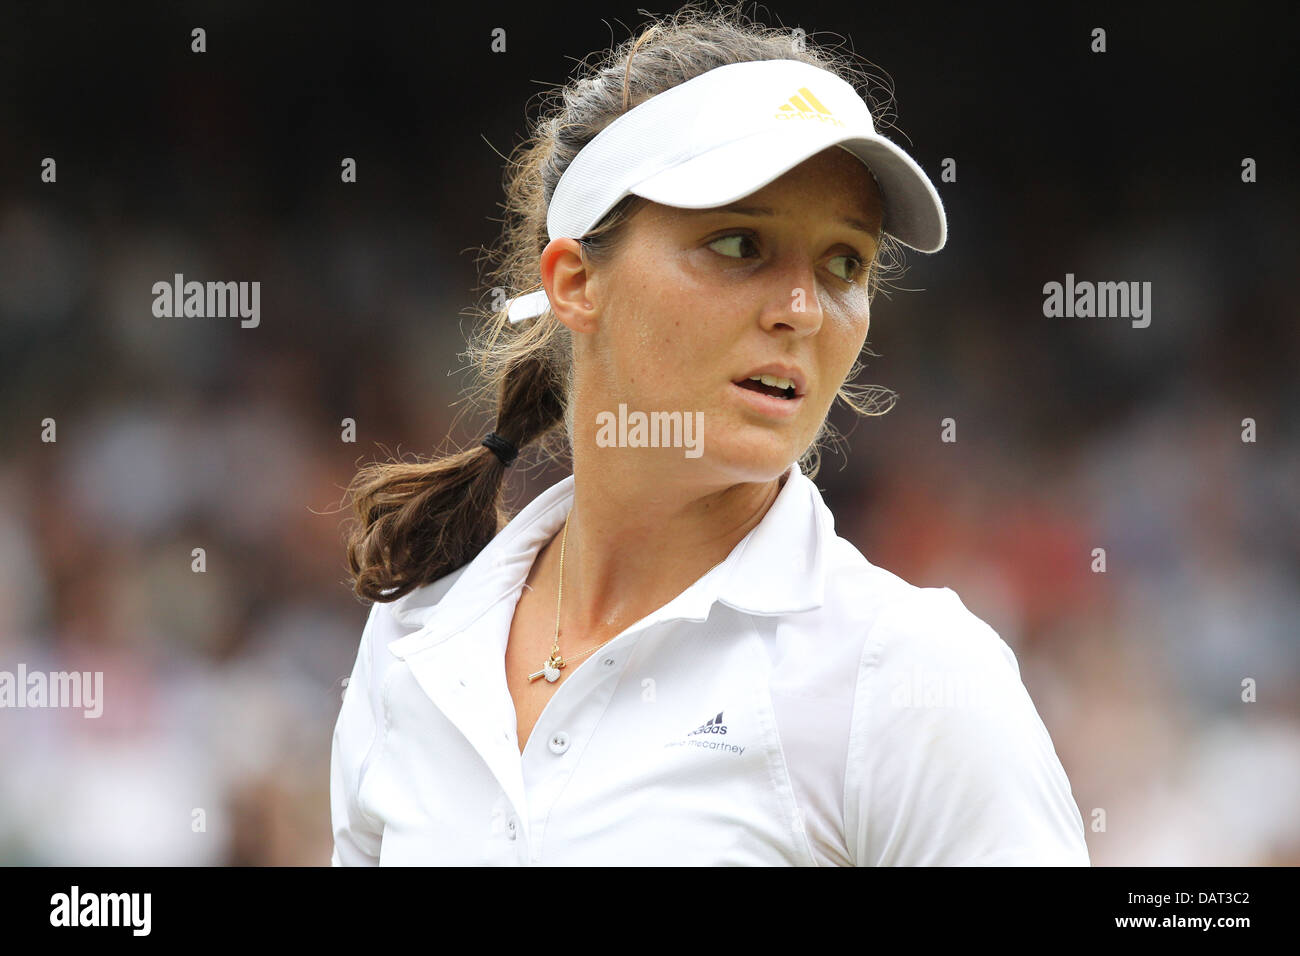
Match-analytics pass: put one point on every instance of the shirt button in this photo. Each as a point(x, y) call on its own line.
point(511, 829)
point(559, 742)
point(608, 662)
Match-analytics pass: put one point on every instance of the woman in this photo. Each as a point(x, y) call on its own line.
point(670, 657)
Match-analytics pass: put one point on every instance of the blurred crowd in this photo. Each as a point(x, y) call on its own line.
point(222, 687)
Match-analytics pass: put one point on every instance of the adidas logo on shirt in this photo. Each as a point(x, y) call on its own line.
point(803, 105)
point(713, 725)
point(702, 738)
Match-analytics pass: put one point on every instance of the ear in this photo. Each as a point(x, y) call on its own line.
point(566, 277)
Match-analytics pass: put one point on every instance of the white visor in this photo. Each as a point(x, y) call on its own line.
point(725, 134)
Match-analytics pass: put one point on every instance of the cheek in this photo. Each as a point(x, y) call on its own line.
point(656, 338)
point(674, 339)
point(669, 341)
point(840, 352)
point(648, 357)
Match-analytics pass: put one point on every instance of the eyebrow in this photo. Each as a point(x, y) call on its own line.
point(849, 221)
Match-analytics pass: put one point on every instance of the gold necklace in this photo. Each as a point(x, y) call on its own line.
point(551, 667)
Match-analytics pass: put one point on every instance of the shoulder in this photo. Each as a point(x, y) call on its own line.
point(389, 620)
point(916, 646)
point(896, 621)
point(412, 606)
point(932, 627)
point(948, 759)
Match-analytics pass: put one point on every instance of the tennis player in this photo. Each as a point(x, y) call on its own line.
point(670, 657)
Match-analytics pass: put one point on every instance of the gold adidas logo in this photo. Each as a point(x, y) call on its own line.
point(803, 105)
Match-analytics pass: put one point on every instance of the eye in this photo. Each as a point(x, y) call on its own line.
point(732, 245)
point(854, 270)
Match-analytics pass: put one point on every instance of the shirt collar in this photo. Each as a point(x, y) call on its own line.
point(779, 567)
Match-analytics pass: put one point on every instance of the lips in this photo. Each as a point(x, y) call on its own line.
point(779, 381)
point(763, 388)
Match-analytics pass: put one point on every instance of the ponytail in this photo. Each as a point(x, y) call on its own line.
point(417, 522)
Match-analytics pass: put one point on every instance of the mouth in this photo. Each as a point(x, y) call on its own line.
point(774, 392)
point(783, 388)
point(785, 382)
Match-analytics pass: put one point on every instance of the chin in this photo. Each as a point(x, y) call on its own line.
point(749, 463)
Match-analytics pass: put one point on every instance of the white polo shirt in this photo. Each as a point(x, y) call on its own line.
point(795, 706)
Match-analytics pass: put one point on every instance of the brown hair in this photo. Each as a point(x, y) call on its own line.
point(419, 521)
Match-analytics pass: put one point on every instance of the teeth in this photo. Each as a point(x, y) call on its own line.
point(773, 380)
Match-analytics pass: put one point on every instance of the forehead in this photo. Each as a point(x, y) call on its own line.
point(832, 184)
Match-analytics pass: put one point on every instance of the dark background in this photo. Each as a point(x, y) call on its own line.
point(1073, 433)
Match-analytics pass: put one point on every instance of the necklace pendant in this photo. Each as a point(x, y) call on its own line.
point(550, 670)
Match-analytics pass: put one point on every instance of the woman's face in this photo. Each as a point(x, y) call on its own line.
point(696, 301)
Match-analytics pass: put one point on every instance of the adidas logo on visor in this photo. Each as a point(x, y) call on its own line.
point(803, 105)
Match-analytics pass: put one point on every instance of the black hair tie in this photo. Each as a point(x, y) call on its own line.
point(503, 448)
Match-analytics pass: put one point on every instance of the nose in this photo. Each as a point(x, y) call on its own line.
point(794, 304)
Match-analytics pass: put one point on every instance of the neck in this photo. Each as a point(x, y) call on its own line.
point(639, 535)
